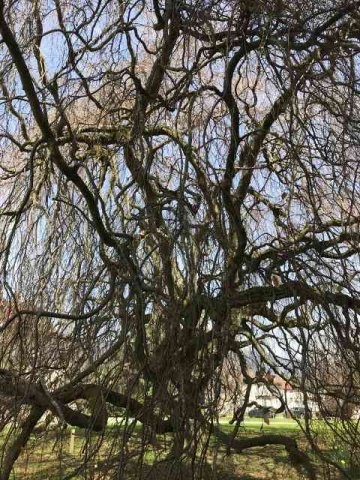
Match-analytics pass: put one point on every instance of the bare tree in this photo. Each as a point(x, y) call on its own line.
point(179, 185)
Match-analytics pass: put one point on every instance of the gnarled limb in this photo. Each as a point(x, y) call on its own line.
point(297, 457)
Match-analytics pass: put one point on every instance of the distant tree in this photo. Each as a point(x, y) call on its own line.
point(179, 186)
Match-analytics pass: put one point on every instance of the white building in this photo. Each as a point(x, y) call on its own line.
point(276, 393)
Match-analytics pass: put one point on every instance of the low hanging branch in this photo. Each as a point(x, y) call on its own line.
point(297, 457)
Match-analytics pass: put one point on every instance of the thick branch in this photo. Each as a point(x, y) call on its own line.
point(298, 458)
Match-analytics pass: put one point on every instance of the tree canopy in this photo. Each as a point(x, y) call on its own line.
point(179, 193)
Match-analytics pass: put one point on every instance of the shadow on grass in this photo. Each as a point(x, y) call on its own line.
point(271, 462)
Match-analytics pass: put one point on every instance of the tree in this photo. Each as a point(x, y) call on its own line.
point(179, 185)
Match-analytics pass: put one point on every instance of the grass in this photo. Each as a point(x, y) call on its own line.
point(49, 457)
point(279, 425)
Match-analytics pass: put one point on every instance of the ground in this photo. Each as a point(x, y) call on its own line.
point(49, 458)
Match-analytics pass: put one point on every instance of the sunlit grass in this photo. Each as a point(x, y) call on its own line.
point(48, 456)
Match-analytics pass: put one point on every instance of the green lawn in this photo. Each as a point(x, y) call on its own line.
point(49, 457)
point(276, 425)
